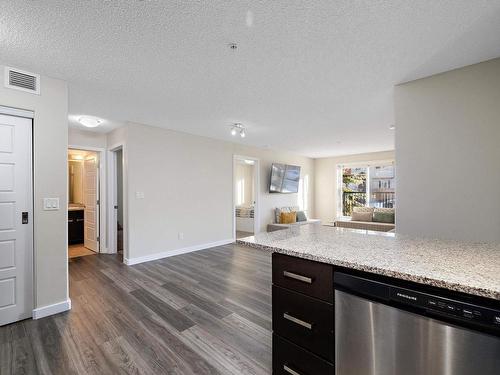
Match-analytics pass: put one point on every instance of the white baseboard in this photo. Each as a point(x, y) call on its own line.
point(56, 308)
point(169, 253)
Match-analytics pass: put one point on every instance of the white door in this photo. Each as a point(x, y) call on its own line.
point(16, 219)
point(90, 194)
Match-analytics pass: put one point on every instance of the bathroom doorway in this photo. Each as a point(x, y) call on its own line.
point(83, 203)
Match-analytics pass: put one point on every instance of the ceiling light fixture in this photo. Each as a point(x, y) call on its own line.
point(89, 122)
point(392, 127)
point(236, 128)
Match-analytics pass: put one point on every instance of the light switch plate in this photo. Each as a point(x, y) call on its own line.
point(50, 204)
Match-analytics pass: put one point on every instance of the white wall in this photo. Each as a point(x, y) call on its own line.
point(326, 180)
point(448, 154)
point(82, 138)
point(187, 183)
point(267, 201)
point(50, 180)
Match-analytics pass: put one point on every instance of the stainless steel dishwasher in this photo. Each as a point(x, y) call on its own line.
point(383, 329)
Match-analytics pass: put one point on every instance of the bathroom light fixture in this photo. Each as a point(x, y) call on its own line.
point(236, 128)
point(89, 122)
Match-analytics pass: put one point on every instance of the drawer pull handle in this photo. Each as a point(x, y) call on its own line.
point(292, 275)
point(290, 371)
point(297, 321)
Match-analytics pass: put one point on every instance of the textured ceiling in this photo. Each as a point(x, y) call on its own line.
point(315, 77)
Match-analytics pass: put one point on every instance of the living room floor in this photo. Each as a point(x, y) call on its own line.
point(206, 312)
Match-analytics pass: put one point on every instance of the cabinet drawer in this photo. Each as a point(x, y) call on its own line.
point(305, 321)
point(76, 214)
point(290, 359)
point(312, 278)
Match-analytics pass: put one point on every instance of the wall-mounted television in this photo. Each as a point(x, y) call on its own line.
point(284, 178)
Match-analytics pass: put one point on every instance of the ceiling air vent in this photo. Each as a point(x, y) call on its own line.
point(21, 80)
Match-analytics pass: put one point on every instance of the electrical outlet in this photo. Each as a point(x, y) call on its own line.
point(181, 235)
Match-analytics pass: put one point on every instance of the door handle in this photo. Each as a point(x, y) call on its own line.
point(115, 207)
point(297, 321)
point(25, 219)
point(295, 276)
point(290, 370)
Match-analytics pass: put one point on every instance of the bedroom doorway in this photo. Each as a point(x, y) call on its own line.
point(245, 196)
point(117, 224)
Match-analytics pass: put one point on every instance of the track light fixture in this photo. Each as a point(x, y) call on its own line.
point(238, 127)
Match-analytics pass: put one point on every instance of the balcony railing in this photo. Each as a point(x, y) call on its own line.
point(357, 199)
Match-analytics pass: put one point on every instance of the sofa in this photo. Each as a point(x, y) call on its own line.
point(369, 218)
point(277, 225)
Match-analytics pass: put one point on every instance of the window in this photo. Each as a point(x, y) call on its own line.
point(366, 185)
point(303, 192)
point(240, 192)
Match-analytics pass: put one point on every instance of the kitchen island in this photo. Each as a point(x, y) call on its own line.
point(354, 302)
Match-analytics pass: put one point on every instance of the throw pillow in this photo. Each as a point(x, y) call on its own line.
point(301, 216)
point(279, 210)
point(363, 209)
point(288, 217)
point(277, 216)
point(361, 216)
point(384, 216)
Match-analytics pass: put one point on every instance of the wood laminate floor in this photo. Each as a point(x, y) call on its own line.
point(207, 312)
point(75, 251)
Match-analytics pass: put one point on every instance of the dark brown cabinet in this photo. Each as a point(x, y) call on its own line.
point(303, 316)
point(75, 226)
point(305, 276)
point(290, 359)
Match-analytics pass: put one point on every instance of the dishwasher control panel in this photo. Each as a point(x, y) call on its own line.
point(446, 306)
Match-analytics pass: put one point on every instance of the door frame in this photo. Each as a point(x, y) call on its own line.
point(103, 249)
point(112, 183)
point(256, 186)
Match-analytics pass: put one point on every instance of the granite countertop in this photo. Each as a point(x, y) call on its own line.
point(75, 207)
point(472, 268)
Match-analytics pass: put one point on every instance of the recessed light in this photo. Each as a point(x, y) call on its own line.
point(392, 127)
point(89, 122)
